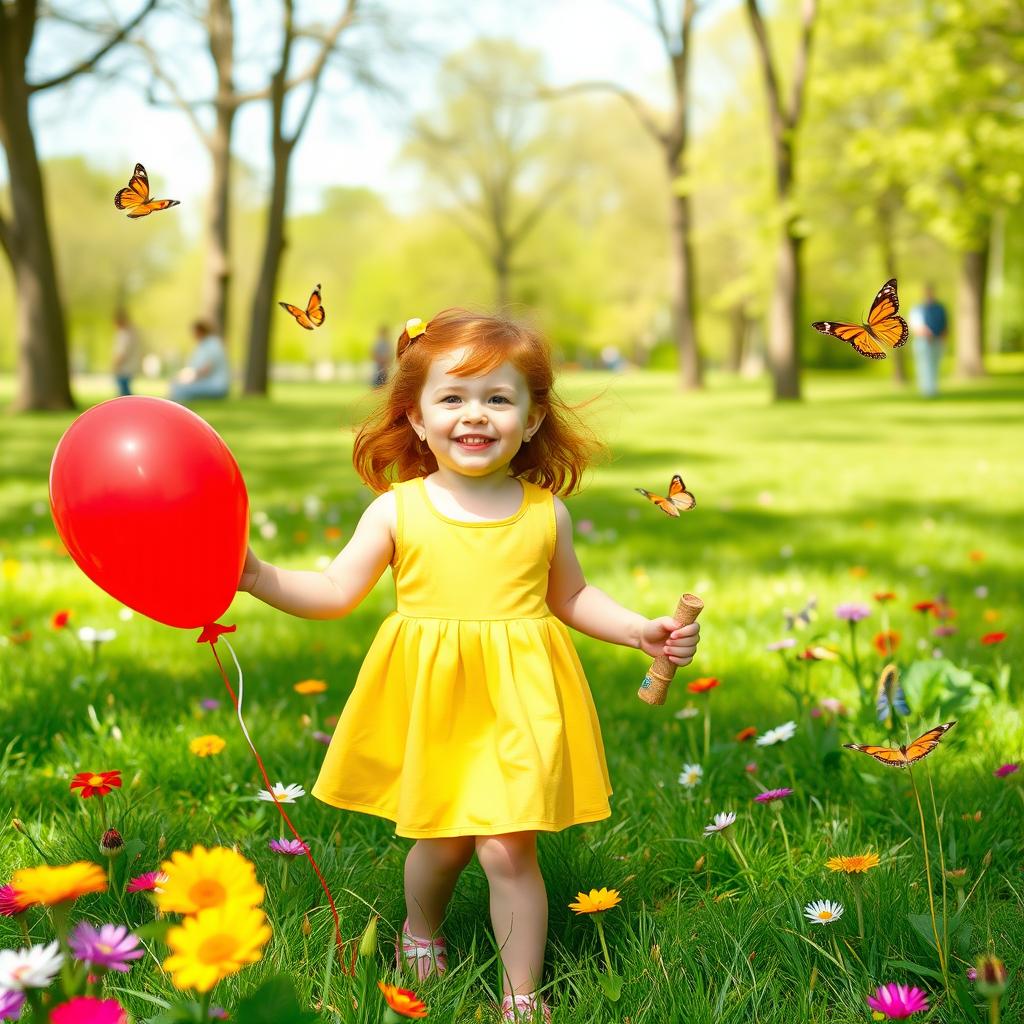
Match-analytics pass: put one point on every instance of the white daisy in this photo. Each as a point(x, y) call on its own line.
point(285, 794)
point(688, 712)
point(89, 635)
point(691, 775)
point(30, 968)
point(823, 911)
point(779, 734)
point(722, 821)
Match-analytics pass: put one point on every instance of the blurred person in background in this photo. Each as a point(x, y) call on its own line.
point(928, 324)
point(127, 357)
point(381, 353)
point(207, 374)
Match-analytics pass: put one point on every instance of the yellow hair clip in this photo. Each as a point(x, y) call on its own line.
point(415, 327)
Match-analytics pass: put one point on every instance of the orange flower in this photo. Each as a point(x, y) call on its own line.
point(310, 686)
point(96, 783)
point(703, 684)
point(746, 734)
point(332, 533)
point(989, 639)
point(925, 606)
point(990, 615)
point(403, 1001)
point(976, 556)
point(49, 885)
point(858, 572)
point(853, 865)
point(60, 619)
point(884, 595)
point(886, 642)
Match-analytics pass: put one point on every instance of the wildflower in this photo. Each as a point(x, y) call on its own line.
point(957, 877)
point(60, 619)
point(209, 703)
point(402, 1001)
point(976, 816)
point(981, 592)
point(30, 968)
point(834, 706)
point(111, 843)
point(691, 775)
point(990, 639)
point(596, 901)
point(10, 1004)
point(688, 712)
point(886, 642)
point(703, 684)
point(290, 847)
point(321, 737)
point(50, 885)
point(11, 903)
point(215, 943)
point(924, 607)
point(89, 635)
point(96, 783)
point(1006, 769)
point(722, 821)
point(285, 794)
point(883, 596)
point(857, 864)
point(990, 615)
point(750, 767)
point(772, 794)
point(990, 976)
point(309, 686)
point(972, 973)
point(207, 746)
point(858, 572)
point(852, 612)
point(976, 556)
point(898, 1001)
point(823, 911)
point(782, 645)
point(944, 631)
point(745, 734)
point(204, 879)
point(780, 734)
point(89, 1010)
point(111, 947)
point(147, 882)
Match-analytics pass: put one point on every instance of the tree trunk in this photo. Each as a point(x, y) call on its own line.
point(887, 212)
point(970, 312)
point(502, 277)
point(42, 363)
point(681, 291)
point(737, 336)
point(783, 333)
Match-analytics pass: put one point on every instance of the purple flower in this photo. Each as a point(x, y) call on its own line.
point(972, 974)
point(11, 1003)
point(782, 645)
point(110, 947)
point(209, 704)
point(289, 847)
point(1006, 769)
point(944, 631)
point(322, 737)
point(772, 794)
point(898, 1001)
point(852, 612)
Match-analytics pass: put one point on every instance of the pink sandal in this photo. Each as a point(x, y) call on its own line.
point(429, 955)
point(523, 1008)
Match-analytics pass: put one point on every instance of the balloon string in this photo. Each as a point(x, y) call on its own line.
point(238, 709)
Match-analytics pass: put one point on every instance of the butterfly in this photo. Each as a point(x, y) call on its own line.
point(312, 316)
point(135, 198)
point(890, 694)
point(801, 618)
point(883, 325)
point(678, 498)
point(901, 757)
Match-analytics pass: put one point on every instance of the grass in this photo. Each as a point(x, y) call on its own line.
point(859, 489)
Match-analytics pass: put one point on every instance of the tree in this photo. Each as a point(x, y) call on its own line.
point(784, 121)
point(42, 366)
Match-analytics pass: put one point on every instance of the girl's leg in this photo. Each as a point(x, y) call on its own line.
point(432, 867)
point(519, 906)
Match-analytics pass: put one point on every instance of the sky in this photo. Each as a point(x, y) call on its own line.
point(352, 138)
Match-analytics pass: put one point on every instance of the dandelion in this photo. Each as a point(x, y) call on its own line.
point(89, 1010)
point(205, 879)
point(1006, 769)
point(823, 911)
point(991, 639)
point(771, 795)
point(852, 612)
point(898, 1001)
point(147, 882)
point(402, 1002)
point(853, 867)
point(207, 746)
point(780, 734)
point(110, 947)
point(283, 794)
point(691, 775)
point(595, 903)
point(310, 686)
point(886, 642)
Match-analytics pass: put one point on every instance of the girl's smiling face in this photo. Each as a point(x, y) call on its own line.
point(474, 425)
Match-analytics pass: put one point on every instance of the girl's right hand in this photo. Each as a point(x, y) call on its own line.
point(250, 572)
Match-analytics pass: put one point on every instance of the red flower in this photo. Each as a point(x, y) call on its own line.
point(703, 684)
point(746, 734)
point(886, 642)
point(884, 595)
point(925, 606)
point(97, 783)
point(60, 619)
point(993, 638)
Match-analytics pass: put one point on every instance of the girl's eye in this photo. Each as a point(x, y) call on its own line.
point(444, 400)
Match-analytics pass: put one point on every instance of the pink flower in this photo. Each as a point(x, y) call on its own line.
point(87, 1010)
point(772, 794)
point(898, 1001)
point(150, 880)
point(1006, 769)
point(291, 847)
point(852, 612)
point(110, 946)
point(11, 1003)
point(944, 631)
point(11, 903)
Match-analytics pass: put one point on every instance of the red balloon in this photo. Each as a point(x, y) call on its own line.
point(151, 504)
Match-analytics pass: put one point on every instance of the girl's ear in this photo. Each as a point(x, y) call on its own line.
point(415, 418)
point(534, 420)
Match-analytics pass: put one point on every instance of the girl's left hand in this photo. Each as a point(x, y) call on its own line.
point(666, 637)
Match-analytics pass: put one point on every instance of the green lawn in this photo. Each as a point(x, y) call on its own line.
point(859, 489)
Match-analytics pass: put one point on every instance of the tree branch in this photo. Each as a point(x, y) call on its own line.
point(764, 54)
point(91, 61)
point(5, 238)
point(188, 106)
point(637, 105)
point(802, 61)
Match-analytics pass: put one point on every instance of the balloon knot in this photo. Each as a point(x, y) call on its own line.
point(212, 631)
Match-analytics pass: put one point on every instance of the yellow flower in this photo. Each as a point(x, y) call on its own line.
point(205, 746)
point(11, 568)
point(310, 686)
point(215, 943)
point(208, 878)
point(403, 1000)
point(596, 901)
point(853, 865)
point(50, 885)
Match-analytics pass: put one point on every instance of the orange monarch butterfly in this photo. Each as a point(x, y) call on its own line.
point(312, 316)
point(903, 756)
point(135, 198)
point(678, 498)
point(883, 325)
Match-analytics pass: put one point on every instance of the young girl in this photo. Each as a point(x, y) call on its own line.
point(471, 724)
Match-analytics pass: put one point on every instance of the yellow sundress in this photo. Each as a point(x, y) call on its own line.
point(471, 714)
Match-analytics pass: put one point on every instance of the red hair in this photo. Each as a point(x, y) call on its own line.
point(386, 448)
